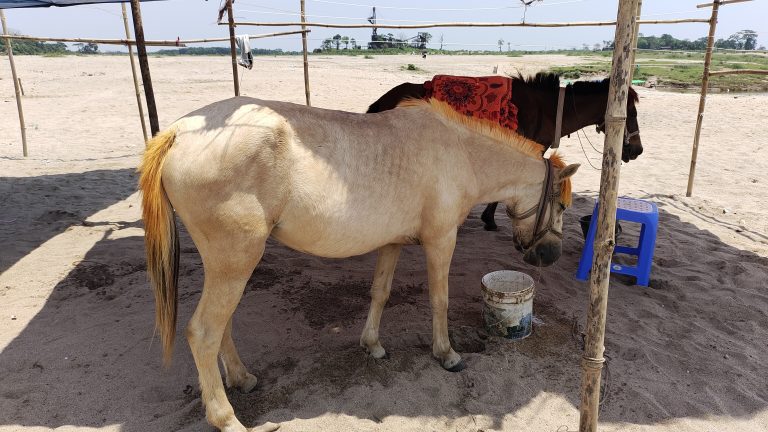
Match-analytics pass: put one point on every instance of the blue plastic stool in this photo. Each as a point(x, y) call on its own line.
point(633, 210)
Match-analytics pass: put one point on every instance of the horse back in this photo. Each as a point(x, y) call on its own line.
point(396, 95)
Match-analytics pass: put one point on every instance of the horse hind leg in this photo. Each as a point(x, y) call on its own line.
point(380, 289)
point(228, 263)
point(235, 373)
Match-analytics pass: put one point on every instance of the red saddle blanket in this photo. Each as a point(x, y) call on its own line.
point(487, 98)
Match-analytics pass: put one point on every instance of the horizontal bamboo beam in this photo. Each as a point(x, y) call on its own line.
point(179, 43)
point(464, 24)
point(740, 72)
point(723, 2)
point(96, 41)
point(258, 36)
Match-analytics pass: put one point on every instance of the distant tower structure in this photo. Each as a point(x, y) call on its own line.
point(372, 20)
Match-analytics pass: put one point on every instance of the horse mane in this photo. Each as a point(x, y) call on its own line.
point(601, 87)
point(542, 80)
point(550, 81)
point(495, 131)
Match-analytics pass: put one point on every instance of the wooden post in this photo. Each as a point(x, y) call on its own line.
point(149, 93)
point(635, 35)
point(19, 108)
point(133, 71)
point(304, 47)
point(615, 119)
point(703, 97)
point(232, 49)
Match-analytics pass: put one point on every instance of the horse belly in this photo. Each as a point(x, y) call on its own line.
point(341, 237)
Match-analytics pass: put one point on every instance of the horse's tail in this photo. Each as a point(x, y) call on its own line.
point(161, 239)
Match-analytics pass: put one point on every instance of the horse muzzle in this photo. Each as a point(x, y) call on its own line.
point(632, 147)
point(543, 254)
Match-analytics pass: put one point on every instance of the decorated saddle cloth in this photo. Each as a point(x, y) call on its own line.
point(486, 98)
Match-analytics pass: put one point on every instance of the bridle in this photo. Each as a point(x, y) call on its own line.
point(627, 135)
point(549, 196)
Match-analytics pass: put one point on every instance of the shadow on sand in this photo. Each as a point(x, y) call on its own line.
point(60, 201)
point(87, 358)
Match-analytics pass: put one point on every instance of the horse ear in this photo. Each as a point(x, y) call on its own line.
point(568, 171)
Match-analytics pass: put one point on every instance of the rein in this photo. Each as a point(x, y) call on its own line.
point(548, 196)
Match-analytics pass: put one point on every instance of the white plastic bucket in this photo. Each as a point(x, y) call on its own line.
point(508, 308)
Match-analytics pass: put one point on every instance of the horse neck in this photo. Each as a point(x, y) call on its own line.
point(537, 111)
point(501, 170)
point(585, 108)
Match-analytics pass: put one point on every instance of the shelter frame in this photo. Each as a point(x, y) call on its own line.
point(627, 27)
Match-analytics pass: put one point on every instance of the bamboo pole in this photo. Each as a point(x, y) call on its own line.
point(232, 50)
point(133, 72)
point(465, 24)
point(740, 72)
point(703, 97)
point(258, 36)
point(615, 119)
point(722, 2)
point(304, 49)
point(170, 43)
point(98, 41)
point(19, 107)
point(635, 35)
point(149, 93)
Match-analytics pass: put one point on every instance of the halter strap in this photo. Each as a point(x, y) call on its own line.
point(548, 196)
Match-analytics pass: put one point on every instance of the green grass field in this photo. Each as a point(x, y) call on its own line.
point(679, 70)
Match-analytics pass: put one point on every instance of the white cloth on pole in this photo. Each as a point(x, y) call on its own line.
point(243, 43)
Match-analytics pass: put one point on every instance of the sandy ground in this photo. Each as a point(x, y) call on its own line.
point(76, 312)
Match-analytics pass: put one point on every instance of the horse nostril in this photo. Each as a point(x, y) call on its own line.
point(548, 254)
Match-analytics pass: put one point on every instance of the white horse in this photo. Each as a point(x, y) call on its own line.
point(332, 184)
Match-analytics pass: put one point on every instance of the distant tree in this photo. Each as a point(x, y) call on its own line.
point(22, 47)
point(421, 40)
point(327, 44)
point(424, 39)
point(500, 43)
point(353, 42)
point(441, 41)
point(596, 47)
point(509, 46)
point(337, 40)
point(748, 39)
point(89, 48)
point(345, 41)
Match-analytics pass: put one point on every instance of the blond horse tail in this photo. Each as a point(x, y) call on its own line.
point(161, 239)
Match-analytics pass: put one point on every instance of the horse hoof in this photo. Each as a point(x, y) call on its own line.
point(266, 427)
point(458, 367)
point(377, 351)
point(248, 384)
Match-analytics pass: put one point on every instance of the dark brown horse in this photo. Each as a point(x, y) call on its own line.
point(536, 100)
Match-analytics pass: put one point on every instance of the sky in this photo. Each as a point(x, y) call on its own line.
point(197, 19)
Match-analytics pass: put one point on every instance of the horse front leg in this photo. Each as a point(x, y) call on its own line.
point(439, 253)
point(488, 217)
point(380, 289)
